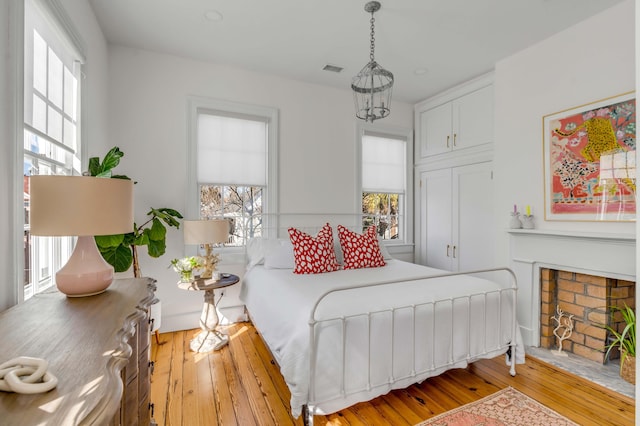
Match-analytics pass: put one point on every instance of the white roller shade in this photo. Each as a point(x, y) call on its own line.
point(232, 151)
point(383, 164)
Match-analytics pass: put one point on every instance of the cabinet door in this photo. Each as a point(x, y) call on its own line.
point(435, 219)
point(473, 119)
point(473, 230)
point(435, 130)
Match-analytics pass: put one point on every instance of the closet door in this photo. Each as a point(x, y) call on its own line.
point(473, 119)
point(473, 236)
point(436, 219)
point(435, 130)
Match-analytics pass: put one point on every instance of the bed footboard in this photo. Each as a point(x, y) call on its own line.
point(401, 345)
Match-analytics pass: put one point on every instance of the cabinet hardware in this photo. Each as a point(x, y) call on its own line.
point(454, 252)
point(455, 135)
point(152, 407)
point(152, 366)
point(448, 247)
point(447, 141)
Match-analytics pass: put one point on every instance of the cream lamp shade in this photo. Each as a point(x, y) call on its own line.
point(81, 206)
point(212, 231)
point(207, 232)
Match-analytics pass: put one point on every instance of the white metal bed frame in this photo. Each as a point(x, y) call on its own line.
point(353, 222)
point(309, 410)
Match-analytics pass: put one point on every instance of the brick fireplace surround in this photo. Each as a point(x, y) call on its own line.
point(580, 254)
point(588, 298)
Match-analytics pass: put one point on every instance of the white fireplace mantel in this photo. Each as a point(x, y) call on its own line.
point(603, 254)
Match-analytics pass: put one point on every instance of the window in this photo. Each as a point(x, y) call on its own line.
point(51, 129)
point(235, 154)
point(384, 157)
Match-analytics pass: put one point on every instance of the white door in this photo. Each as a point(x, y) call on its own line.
point(473, 224)
point(435, 130)
point(435, 245)
point(473, 119)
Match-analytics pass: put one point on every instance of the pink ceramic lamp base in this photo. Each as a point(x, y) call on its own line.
point(86, 273)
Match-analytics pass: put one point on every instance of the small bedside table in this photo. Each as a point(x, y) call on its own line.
point(209, 339)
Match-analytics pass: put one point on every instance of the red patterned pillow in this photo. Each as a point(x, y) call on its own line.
point(360, 250)
point(313, 255)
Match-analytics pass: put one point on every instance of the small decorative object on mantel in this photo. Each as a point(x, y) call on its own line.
point(514, 222)
point(26, 375)
point(527, 219)
point(186, 266)
point(563, 330)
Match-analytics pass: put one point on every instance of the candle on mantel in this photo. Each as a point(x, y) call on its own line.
point(528, 210)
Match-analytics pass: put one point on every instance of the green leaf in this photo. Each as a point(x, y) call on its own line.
point(112, 159)
point(125, 177)
point(167, 215)
point(129, 239)
point(156, 248)
point(142, 239)
point(119, 257)
point(94, 166)
point(106, 241)
point(158, 231)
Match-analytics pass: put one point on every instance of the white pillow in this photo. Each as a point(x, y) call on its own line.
point(280, 256)
point(257, 248)
point(384, 250)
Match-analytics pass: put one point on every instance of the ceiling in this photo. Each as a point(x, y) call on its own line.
point(429, 45)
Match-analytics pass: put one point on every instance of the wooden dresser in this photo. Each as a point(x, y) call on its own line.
point(97, 347)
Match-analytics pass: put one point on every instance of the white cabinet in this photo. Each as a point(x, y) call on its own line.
point(455, 214)
point(459, 119)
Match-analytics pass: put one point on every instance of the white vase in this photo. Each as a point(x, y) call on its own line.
point(527, 222)
point(514, 222)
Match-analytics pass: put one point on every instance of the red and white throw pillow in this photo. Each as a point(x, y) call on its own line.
point(313, 255)
point(360, 250)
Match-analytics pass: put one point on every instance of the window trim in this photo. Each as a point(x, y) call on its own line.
point(407, 199)
point(66, 33)
point(196, 105)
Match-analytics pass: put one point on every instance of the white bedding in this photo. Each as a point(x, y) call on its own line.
point(279, 303)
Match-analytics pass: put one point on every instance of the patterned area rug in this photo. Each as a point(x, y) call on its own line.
point(507, 407)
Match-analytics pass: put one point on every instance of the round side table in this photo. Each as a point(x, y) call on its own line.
point(209, 339)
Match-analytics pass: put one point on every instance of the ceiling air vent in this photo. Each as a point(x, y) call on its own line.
point(332, 68)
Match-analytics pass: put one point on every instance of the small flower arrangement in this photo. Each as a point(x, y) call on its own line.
point(186, 265)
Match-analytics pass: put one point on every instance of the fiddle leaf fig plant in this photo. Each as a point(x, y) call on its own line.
point(120, 250)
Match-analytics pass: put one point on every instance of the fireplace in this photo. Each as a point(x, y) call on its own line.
point(607, 256)
point(588, 298)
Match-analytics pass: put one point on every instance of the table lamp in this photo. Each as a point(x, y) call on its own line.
point(81, 206)
point(207, 233)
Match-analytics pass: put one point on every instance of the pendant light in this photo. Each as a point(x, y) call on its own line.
point(373, 85)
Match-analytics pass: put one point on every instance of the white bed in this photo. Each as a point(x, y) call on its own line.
point(351, 335)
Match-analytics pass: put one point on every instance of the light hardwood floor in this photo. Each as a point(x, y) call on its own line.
point(241, 385)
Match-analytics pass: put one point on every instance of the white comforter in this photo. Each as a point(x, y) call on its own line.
point(279, 303)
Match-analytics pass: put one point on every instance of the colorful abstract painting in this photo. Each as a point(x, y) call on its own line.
point(590, 167)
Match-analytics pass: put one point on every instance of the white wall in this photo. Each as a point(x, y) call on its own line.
point(147, 111)
point(592, 60)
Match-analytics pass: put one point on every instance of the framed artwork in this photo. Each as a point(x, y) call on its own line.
point(589, 161)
